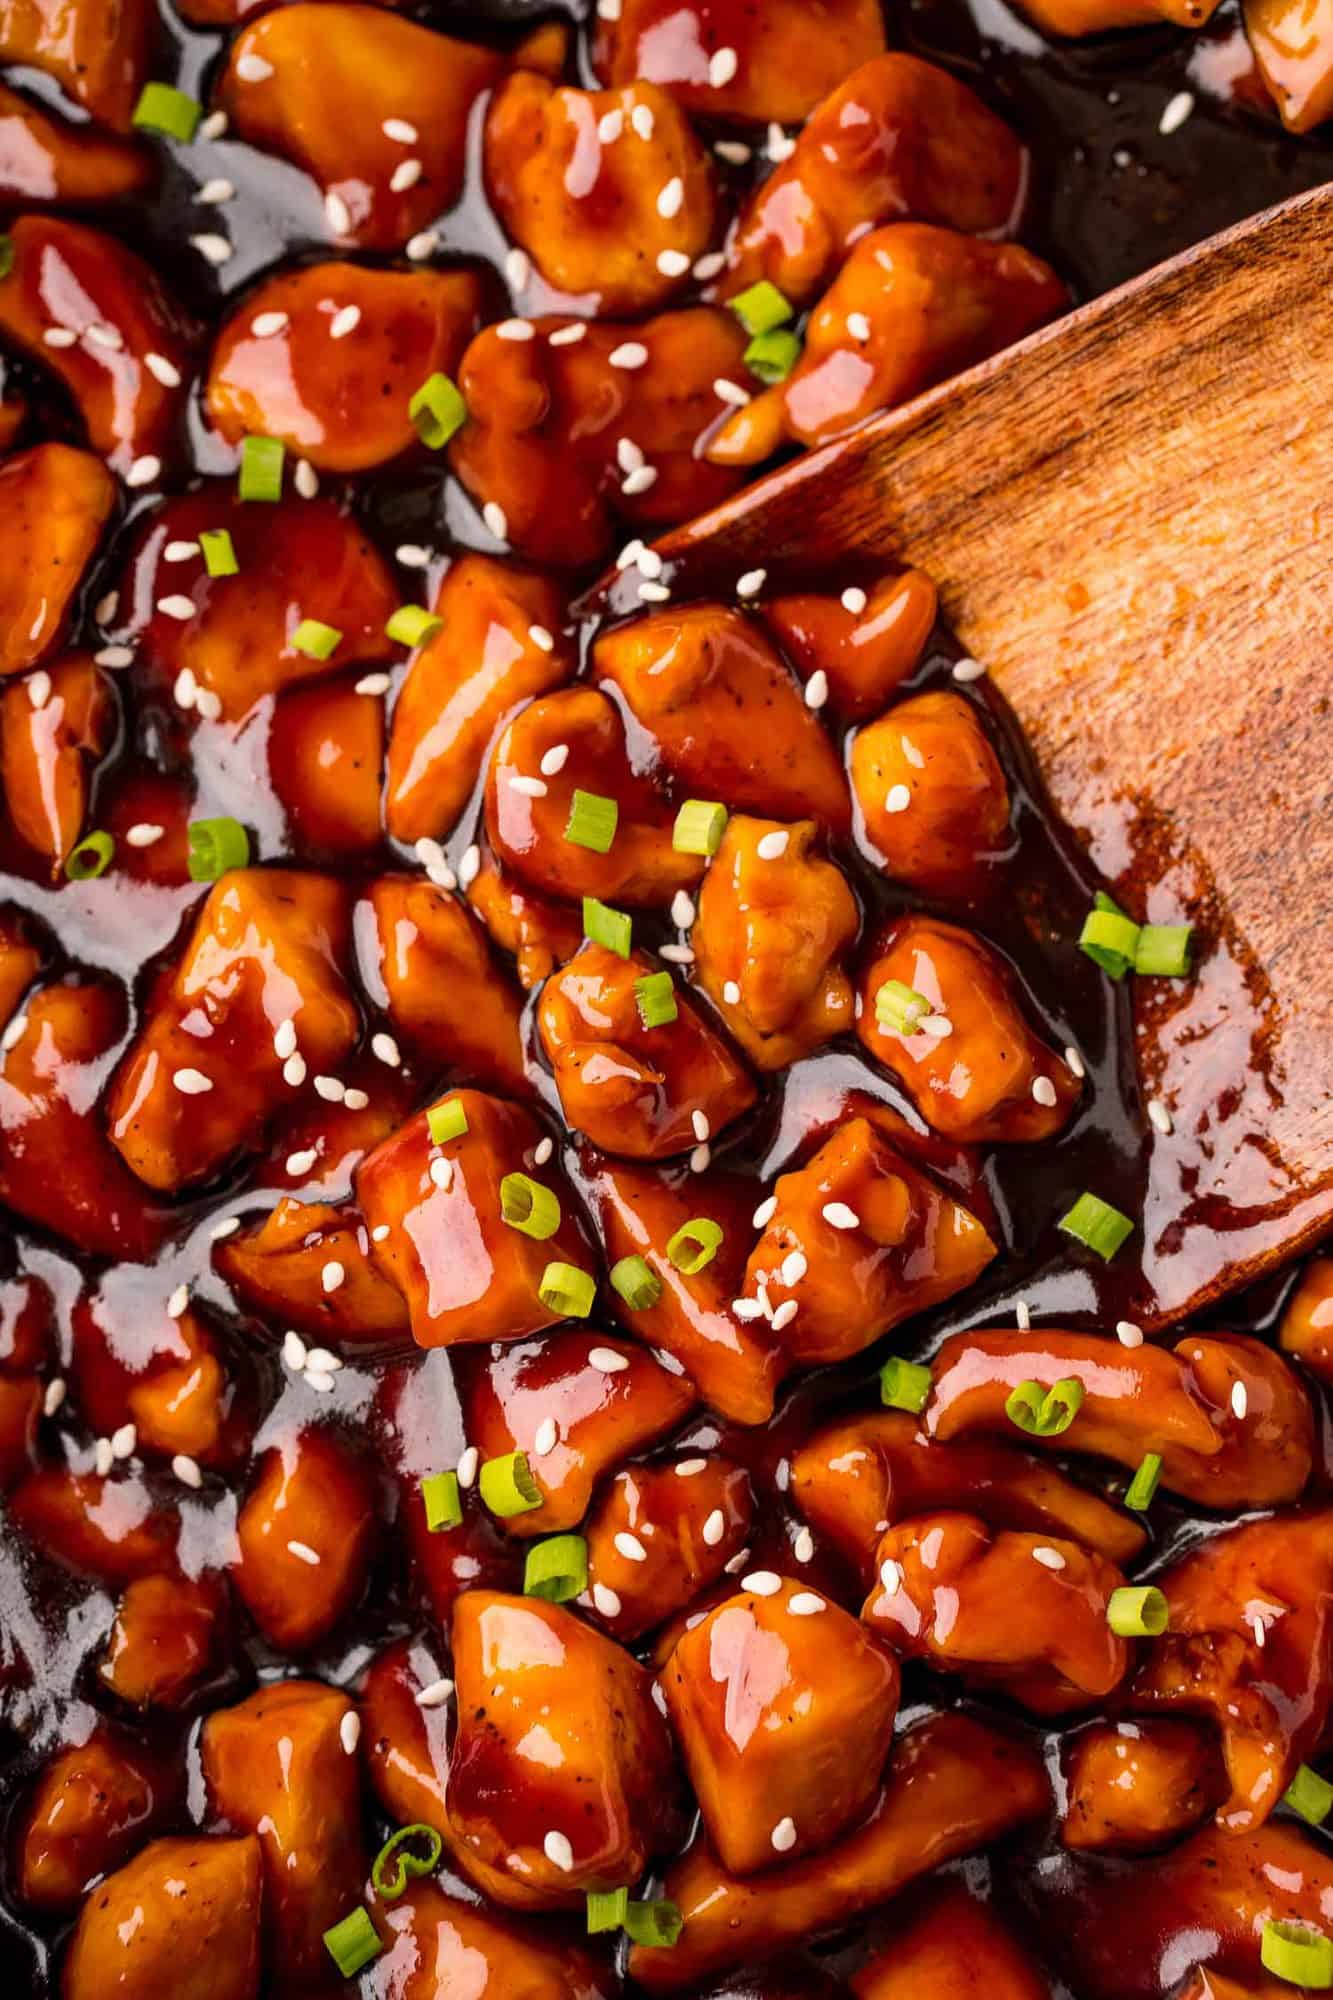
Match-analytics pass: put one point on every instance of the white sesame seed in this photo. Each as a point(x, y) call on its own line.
point(114, 656)
point(208, 704)
point(515, 329)
point(671, 198)
point(701, 1159)
point(304, 1553)
point(284, 1039)
point(544, 1440)
point(608, 10)
point(805, 1604)
point(751, 583)
point(898, 799)
point(731, 993)
point(606, 1600)
point(816, 689)
point(163, 370)
point(699, 1120)
point(1128, 1334)
point(968, 670)
point(59, 336)
point(772, 846)
point(39, 688)
point(404, 176)
point(607, 1360)
point(178, 1302)
point(294, 1071)
point(779, 145)
point(222, 1230)
point(610, 126)
point(1044, 1092)
point(102, 335)
point(435, 1694)
point(734, 151)
point(682, 916)
point(178, 552)
point(497, 521)
point(543, 640)
point(253, 68)
point(747, 1308)
point(324, 1359)
point(530, 788)
point(654, 593)
point(891, 1576)
point(558, 1851)
point(467, 1467)
point(803, 1548)
point(373, 684)
point(385, 1049)
point(1159, 1116)
point(213, 249)
point(732, 393)
point(346, 320)
point(722, 67)
point(103, 1457)
point(349, 1731)
point(105, 609)
point(264, 326)
point(765, 1212)
point(337, 214)
point(858, 326)
point(629, 354)
point(1176, 111)
point(839, 1216)
point(299, 1164)
point(709, 265)
point(55, 1395)
point(470, 865)
point(650, 563)
point(332, 1275)
point(424, 244)
point(715, 1527)
point(1048, 1558)
point(630, 1547)
point(543, 1151)
point(319, 1380)
point(794, 1268)
point(676, 954)
point(294, 1351)
point(672, 263)
point(192, 1082)
point(179, 607)
point(689, 1468)
point(1240, 1400)
point(380, 1232)
point(186, 1470)
point(554, 760)
point(784, 1315)
point(643, 121)
point(1023, 1316)
point(568, 336)
point(442, 1173)
point(762, 1583)
point(144, 471)
point(213, 126)
point(123, 1441)
point(400, 131)
point(628, 455)
point(14, 1033)
point(1074, 1062)
point(640, 481)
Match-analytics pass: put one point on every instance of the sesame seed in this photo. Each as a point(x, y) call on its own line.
point(607, 1360)
point(349, 1731)
point(629, 354)
point(747, 1308)
point(1048, 1558)
point(144, 471)
point(839, 1216)
point(715, 1527)
point(554, 760)
point(515, 329)
point(762, 1583)
point(385, 1049)
point(1176, 111)
point(222, 1230)
point(424, 244)
point(102, 335)
point(412, 556)
point(1128, 1334)
point(213, 249)
point(332, 1275)
point(178, 552)
point(640, 481)
point(672, 263)
point(324, 1359)
point(497, 522)
point(253, 68)
point(938, 1026)
point(772, 846)
point(14, 1033)
point(435, 1694)
point(517, 268)
point(689, 1468)
point(803, 1548)
point(805, 1604)
point(294, 1351)
point(467, 1467)
point(265, 325)
point(192, 1082)
point(114, 656)
point(816, 689)
point(676, 954)
point(858, 326)
point(400, 131)
point(178, 607)
point(784, 1315)
point(734, 151)
point(39, 688)
point(558, 1851)
point(103, 1457)
point(606, 1600)
point(162, 370)
point(1043, 1092)
point(1074, 1061)
point(55, 1395)
point(1240, 1399)
point(610, 126)
point(178, 1302)
point(779, 145)
point(968, 670)
point(891, 1576)
point(123, 1441)
point(319, 1380)
point(567, 336)
point(186, 1470)
point(305, 479)
point(284, 1039)
point(682, 916)
point(543, 1151)
point(731, 993)
point(671, 198)
point(59, 336)
point(470, 865)
point(545, 1439)
point(765, 1212)
point(337, 214)
point(208, 704)
point(751, 583)
point(376, 684)
point(1159, 1116)
point(530, 788)
point(912, 754)
point(854, 600)
point(213, 126)
point(794, 1268)
point(294, 1071)
point(731, 392)
point(722, 67)
point(654, 593)
point(299, 1164)
point(628, 455)
point(404, 176)
point(643, 121)
point(346, 320)
point(1023, 1316)
point(699, 1121)
point(304, 1553)
point(708, 265)
point(701, 1159)
point(543, 640)
point(380, 1232)
point(442, 1173)
point(898, 799)
point(630, 1547)
point(608, 10)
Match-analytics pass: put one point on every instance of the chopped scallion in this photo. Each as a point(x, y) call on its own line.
point(1137, 1611)
point(1045, 1412)
point(507, 1486)
point(900, 1008)
point(353, 1942)
point(637, 1283)
point(219, 552)
point(567, 1290)
point(437, 410)
point(1142, 1488)
point(556, 1569)
point(1097, 1225)
point(442, 1500)
point(592, 821)
point(91, 858)
point(606, 1910)
point(396, 1860)
point(163, 108)
point(694, 1244)
point(761, 307)
point(528, 1206)
point(1109, 938)
point(1302, 1957)
point(608, 927)
point(316, 640)
point(1164, 950)
point(412, 625)
point(654, 1923)
point(1309, 1795)
point(904, 1385)
point(655, 996)
point(215, 846)
point(772, 356)
point(262, 460)
point(446, 1120)
point(700, 825)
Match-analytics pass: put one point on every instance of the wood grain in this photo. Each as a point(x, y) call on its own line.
point(1130, 516)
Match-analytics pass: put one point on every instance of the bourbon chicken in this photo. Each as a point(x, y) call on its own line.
point(580, 1409)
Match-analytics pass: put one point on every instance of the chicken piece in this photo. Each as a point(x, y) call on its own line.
point(203, 1078)
point(181, 1921)
point(319, 85)
point(911, 305)
point(732, 60)
point(563, 1776)
point(91, 1807)
point(991, 1077)
point(502, 640)
point(1180, 1404)
point(305, 1537)
point(644, 1091)
point(55, 502)
point(69, 279)
point(26, 1324)
point(20, 963)
point(540, 932)
point(864, 655)
point(660, 1534)
point(1135, 1786)
point(20, 1415)
point(734, 1361)
point(1096, 17)
point(951, 1946)
point(576, 181)
point(44, 159)
point(933, 801)
point(46, 748)
point(767, 938)
point(321, 1141)
point(56, 1166)
point(605, 1398)
point(340, 401)
point(325, 756)
point(165, 1374)
point(438, 1945)
point(766, 1697)
point(448, 999)
point(1250, 1645)
point(167, 1636)
point(1292, 43)
point(275, 1766)
point(97, 50)
point(546, 416)
point(953, 1786)
point(834, 1287)
point(725, 713)
point(900, 140)
point(1025, 1613)
point(278, 1270)
point(1307, 1320)
point(466, 1274)
point(297, 559)
point(406, 1746)
point(444, 1562)
point(856, 1477)
point(528, 831)
point(107, 1529)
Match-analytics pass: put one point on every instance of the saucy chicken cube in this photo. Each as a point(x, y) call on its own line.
point(304, 1537)
point(47, 746)
point(899, 140)
point(897, 1244)
point(275, 1766)
point(108, 1529)
point(933, 801)
point(437, 1944)
point(181, 1921)
point(465, 1273)
point(203, 1078)
point(1135, 1786)
point(56, 502)
point(950, 1945)
point(563, 1773)
point(577, 736)
point(167, 1636)
point(725, 713)
point(660, 1534)
point(279, 1269)
point(165, 1373)
point(501, 640)
point(405, 1744)
point(576, 180)
point(769, 934)
point(329, 87)
point(766, 1696)
point(1292, 46)
point(98, 54)
point(42, 159)
point(539, 932)
point(91, 1806)
point(731, 60)
point(325, 760)
point(1307, 1320)
point(339, 400)
point(989, 1076)
point(864, 653)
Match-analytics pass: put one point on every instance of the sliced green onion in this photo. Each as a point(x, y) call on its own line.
point(91, 858)
point(261, 468)
point(353, 1942)
point(904, 1385)
point(694, 1244)
point(567, 1290)
point(655, 996)
point(592, 821)
point(1164, 949)
point(412, 625)
point(396, 1860)
point(761, 307)
point(1044, 1412)
point(700, 825)
point(437, 410)
point(6, 255)
point(1302, 1957)
point(1097, 1225)
point(772, 356)
point(316, 640)
point(215, 846)
point(606, 1909)
point(1142, 1488)
point(637, 1283)
point(526, 1205)
point(656, 1923)
point(446, 1120)
point(556, 1569)
point(900, 1008)
point(1109, 938)
point(218, 552)
point(507, 1485)
point(163, 108)
point(1137, 1611)
point(442, 1500)
point(606, 926)
point(1309, 1795)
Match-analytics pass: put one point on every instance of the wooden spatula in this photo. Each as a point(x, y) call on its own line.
point(1130, 518)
